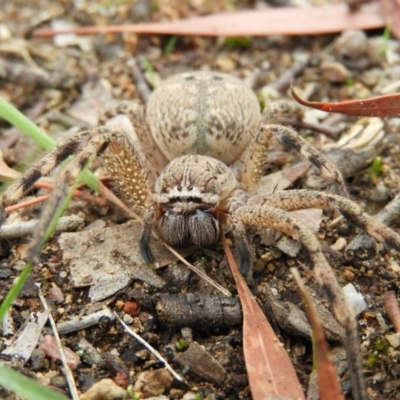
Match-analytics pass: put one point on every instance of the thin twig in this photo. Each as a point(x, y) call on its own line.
point(140, 81)
point(27, 203)
point(67, 370)
point(21, 229)
point(151, 349)
point(79, 322)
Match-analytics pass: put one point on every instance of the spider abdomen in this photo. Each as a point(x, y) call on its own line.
point(204, 113)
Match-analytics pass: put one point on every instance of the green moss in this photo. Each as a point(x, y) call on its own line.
point(380, 349)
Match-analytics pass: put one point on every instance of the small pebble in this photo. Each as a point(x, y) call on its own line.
point(106, 389)
point(56, 294)
point(128, 319)
point(153, 383)
point(37, 359)
point(351, 44)
point(348, 275)
point(355, 299)
point(334, 71)
point(225, 64)
point(340, 244)
point(190, 396)
point(394, 266)
point(131, 308)
point(393, 339)
point(59, 381)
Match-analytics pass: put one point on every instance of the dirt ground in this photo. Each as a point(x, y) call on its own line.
point(64, 83)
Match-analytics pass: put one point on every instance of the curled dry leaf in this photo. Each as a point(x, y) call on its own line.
point(329, 387)
point(380, 106)
point(269, 368)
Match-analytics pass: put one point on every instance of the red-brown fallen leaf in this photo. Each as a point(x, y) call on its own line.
point(391, 12)
point(330, 18)
point(328, 382)
point(380, 106)
point(269, 368)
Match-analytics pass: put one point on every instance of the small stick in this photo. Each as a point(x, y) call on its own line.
point(151, 349)
point(79, 322)
point(27, 203)
point(140, 82)
point(392, 309)
point(21, 229)
point(67, 370)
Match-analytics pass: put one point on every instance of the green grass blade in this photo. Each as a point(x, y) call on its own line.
point(24, 124)
point(20, 384)
point(13, 293)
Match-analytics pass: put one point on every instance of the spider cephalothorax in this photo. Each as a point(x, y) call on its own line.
point(197, 156)
point(187, 196)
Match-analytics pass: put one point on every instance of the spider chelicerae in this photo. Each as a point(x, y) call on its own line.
point(195, 159)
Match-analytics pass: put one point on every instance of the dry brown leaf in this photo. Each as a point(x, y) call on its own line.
point(330, 18)
point(391, 11)
point(269, 368)
point(380, 106)
point(328, 382)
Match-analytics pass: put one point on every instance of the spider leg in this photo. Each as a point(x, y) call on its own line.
point(121, 161)
point(282, 111)
point(145, 238)
point(245, 263)
point(23, 185)
point(141, 137)
point(266, 216)
point(302, 199)
point(257, 154)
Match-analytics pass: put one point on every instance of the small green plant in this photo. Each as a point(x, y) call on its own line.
point(376, 168)
point(261, 100)
point(149, 70)
point(380, 348)
point(385, 37)
point(170, 46)
point(181, 345)
point(349, 82)
point(205, 262)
